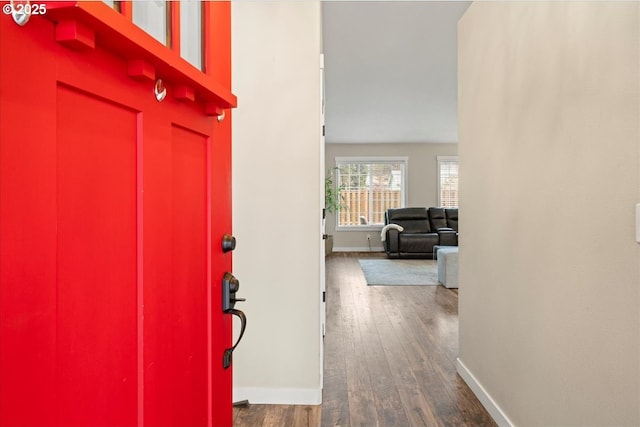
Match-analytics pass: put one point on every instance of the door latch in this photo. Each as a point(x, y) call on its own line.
point(231, 285)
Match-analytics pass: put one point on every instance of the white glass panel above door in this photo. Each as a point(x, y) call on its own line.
point(151, 16)
point(191, 32)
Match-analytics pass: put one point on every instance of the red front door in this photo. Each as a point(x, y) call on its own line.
point(112, 209)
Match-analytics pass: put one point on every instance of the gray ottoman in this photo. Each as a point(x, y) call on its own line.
point(448, 266)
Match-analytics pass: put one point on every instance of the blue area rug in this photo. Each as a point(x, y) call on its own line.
point(404, 272)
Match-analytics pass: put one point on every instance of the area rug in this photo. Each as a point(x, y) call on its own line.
point(399, 271)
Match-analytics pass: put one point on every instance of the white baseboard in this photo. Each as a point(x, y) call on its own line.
point(358, 249)
point(278, 396)
point(487, 401)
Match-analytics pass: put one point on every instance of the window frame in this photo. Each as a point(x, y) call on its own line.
point(440, 161)
point(368, 160)
point(174, 32)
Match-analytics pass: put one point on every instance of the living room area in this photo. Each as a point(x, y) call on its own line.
point(407, 157)
point(364, 188)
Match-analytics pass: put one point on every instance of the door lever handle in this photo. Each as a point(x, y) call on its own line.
point(228, 353)
point(231, 285)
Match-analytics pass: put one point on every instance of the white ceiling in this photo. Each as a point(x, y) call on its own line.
point(391, 70)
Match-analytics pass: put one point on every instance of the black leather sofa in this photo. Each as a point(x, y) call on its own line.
point(423, 228)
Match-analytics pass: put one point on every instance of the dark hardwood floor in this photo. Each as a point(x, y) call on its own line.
point(389, 359)
point(276, 416)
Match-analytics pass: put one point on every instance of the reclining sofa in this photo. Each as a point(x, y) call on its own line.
point(413, 232)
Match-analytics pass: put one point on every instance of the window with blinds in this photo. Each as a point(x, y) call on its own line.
point(448, 181)
point(367, 187)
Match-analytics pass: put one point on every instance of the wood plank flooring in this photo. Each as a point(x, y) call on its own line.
point(389, 359)
point(276, 416)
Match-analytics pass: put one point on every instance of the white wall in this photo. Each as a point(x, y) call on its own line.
point(550, 171)
point(276, 203)
point(422, 182)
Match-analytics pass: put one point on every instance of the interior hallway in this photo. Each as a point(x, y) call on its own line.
point(389, 359)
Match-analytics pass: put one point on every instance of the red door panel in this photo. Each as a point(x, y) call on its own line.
point(189, 273)
point(96, 286)
point(27, 235)
point(110, 259)
point(176, 289)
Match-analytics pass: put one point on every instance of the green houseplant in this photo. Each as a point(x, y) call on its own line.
point(331, 193)
point(332, 204)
